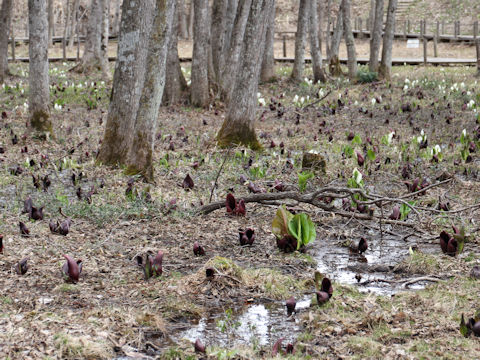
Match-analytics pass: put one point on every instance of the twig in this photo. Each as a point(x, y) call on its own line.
point(218, 175)
point(317, 101)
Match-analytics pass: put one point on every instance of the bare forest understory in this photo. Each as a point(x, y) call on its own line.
point(418, 136)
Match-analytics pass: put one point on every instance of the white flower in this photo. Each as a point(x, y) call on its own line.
point(422, 133)
point(355, 103)
point(405, 88)
point(438, 149)
point(464, 133)
point(57, 106)
point(390, 137)
point(374, 101)
point(302, 100)
point(357, 176)
point(470, 104)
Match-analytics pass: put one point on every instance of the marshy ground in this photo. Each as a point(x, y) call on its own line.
point(112, 312)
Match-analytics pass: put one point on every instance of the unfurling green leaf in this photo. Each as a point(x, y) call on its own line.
point(463, 328)
point(302, 228)
point(280, 222)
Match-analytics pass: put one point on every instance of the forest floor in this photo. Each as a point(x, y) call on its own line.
point(409, 298)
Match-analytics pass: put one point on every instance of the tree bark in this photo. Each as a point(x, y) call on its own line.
point(386, 64)
point(200, 95)
point(116, 22)
point(267, 72)
point(238, 127)
point(175, 82)
point(140, 158)
point(218, 32)
point(128, 80)
point(316, 53)
point(190, 20)
point(376, 37)
point(66, 28)
point(5, 16)
point(328, 35)
point(231, 13)
point(74, 23)
point(300, 40)
point(182, 22)
point(94, 57)
point(39, 92)
point(337, 35)
point(232, 65)
point(349, 40)
point(320, 20)
point(371, 17)
point(50, 21)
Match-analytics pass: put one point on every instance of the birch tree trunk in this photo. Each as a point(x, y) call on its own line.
point(218, 32)
point(386, 64)
point(201, 44)
point(267, 72)
point(140, 158)
point(239, 125)
point(233, 59)
point(376, 37)
point(128, 79)
point(5, 16)
point(39, 92)
point(349, 40)
point(318, 74)
point(300, 40)
point(93, 56)
point(175, 82)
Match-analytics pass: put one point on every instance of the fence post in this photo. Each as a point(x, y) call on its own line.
point(408, 26)
point(455, 30)
point(13, 45)
point(475, 30)
point(64, 49)
point(435, 40)
point(443, 27)
point(422, 30)
point(360, 25)
point(458, 30)
point(284, 40)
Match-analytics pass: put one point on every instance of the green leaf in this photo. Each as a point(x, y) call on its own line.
point(357, 140)
point(302, 228)
point(318, 280)
point(371, 155)
point(463, 327)
point(280, 222)
point(303, 178)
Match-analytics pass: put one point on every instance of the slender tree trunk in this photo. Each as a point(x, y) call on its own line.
point(50, 21)
point(300, 40)
point(349, 40)
point(238, 127)
point(201, 45)
point(376, 38)
point(93, 56)
point(386, 64)
point(371, 17)
point(140, 158)
point(39, 92)
point(5, 16)
point(128, 80)
point(231, 13)
point(182, 19)
point(175, 82)
point(320, 20)
point(318, 74)
point(105, 33)
point(74, 23)
point(267, 72)
point(337, 35)
point(218, 32)
point(329, 21)
point(116, 23)
point(190, 20)
point(236, 44)
point(66, 28)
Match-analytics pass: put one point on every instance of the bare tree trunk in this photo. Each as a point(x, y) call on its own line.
point(105, 33)
point(218, 32)
point(267, 72)
point(349, 40)
point(50, 21)
point(190, 20)
point(39, 92)
point(201, 45)
point(318, 74)
point(329, 20)
point(371, 17)
point(182, 19)
point(66, 28)
point(140, 158)
point(175, 82)
point(231, 13)
point(300, 40)
point(74, 23)
point(5, 16)
point(386, 64)
point(236, 43)
point(376, 38)
point(320, 20)
point(93, 56)
point(238, 127)
point(116, 23)
point(337, 35)
point(128, 81)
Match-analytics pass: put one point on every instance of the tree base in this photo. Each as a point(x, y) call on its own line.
point(40, 121)
point(237, 134)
